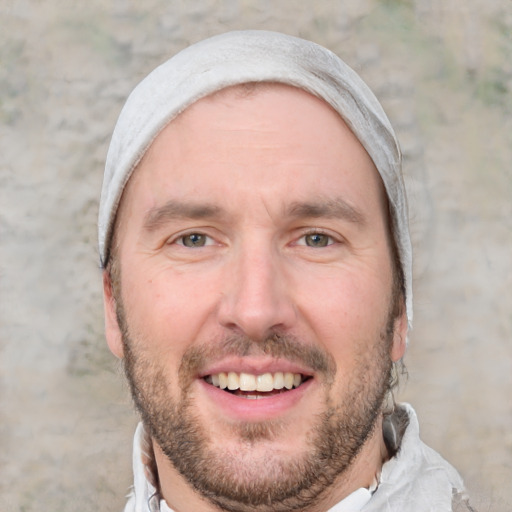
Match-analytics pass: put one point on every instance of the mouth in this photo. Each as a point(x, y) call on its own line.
point(251, 386)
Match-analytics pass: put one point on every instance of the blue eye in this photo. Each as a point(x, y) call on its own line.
point(193, 240)
point(317, 240)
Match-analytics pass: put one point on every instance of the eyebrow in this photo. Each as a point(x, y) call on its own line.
point(158, 216)
point(336, 209)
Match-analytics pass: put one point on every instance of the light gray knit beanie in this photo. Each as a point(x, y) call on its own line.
point(254, 56)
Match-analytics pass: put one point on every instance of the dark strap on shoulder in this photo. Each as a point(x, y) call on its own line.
point(460, 502)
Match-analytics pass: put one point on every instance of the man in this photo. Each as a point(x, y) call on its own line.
point(257, 277)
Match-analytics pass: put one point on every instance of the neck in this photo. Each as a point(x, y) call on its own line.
point(363, 472)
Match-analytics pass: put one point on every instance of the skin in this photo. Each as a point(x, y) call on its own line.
point(267, 175)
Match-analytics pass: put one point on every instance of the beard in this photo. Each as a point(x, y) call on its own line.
point(240, 478)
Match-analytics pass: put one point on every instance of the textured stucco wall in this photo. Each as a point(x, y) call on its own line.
point(442, 70)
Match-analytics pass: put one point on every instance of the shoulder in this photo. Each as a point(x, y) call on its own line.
point(416, 477)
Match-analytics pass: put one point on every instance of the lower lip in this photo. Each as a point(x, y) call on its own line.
point(260, 409)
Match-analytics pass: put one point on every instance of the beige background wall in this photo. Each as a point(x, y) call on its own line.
point(443, 71)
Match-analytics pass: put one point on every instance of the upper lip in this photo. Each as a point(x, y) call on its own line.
point(255, 366)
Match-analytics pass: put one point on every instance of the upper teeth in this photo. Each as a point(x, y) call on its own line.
point(249, 382)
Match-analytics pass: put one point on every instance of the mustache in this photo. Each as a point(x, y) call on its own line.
point(277, 345)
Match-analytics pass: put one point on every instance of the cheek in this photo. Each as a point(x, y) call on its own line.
point(348, 310)
point(165, 307)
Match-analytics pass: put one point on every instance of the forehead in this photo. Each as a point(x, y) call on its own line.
point(283, 131)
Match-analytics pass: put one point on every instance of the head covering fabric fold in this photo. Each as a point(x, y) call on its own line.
point(253, 56)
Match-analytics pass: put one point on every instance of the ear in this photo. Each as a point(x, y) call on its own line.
point(399, 337)
point(112, 329)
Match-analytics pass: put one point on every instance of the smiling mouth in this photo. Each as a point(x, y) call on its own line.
point(247, 385)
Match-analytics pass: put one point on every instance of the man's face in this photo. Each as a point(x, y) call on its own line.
point(253, 253)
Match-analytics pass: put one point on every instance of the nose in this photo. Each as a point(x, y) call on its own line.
point(257, 298)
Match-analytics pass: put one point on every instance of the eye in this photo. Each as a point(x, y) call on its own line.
point(317, 240)
point(194, 240)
